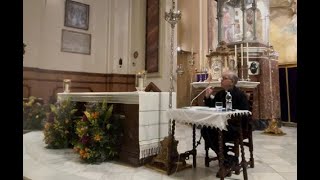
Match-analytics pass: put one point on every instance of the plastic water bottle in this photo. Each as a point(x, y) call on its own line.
point(228, 101)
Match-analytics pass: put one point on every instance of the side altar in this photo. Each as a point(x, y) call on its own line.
point(145, 123)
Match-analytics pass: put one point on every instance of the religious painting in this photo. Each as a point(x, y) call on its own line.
point(228, 23)
point(152, 36)
point(249, 23)
point(76, 42)
point(76, 15)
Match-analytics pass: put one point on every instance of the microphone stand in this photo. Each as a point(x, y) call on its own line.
point(199, 95)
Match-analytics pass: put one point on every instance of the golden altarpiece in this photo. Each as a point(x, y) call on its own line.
point(244, 47)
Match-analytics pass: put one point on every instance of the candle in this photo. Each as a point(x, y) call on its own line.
point(247, 54)
point(66, 88)
point(235, 53)
point(66, 85)
point(241, 55)
point(141, 83)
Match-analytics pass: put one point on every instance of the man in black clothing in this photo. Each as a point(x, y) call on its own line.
point(239, 101)
point(228, 82)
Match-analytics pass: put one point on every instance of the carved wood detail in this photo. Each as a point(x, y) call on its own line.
point(46, 84)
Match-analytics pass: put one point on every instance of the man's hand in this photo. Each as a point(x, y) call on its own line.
point(208, 92)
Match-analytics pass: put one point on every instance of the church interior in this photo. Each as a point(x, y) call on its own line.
point(115, 88)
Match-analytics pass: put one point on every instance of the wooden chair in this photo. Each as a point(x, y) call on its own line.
point(232, 142)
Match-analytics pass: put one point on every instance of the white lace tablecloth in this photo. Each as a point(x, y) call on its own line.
point(204, 116)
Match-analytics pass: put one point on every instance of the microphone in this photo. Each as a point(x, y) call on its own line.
point(199, 94)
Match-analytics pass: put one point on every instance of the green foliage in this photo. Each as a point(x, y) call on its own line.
point(34, 114)
point(99, 134)
point(58, 131)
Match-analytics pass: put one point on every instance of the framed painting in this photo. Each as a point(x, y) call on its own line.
point(76, 42)
point(76, 15)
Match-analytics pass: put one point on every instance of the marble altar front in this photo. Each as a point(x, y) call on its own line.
point(145, 123)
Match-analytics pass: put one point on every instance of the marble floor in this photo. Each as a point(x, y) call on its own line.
point(275, 158)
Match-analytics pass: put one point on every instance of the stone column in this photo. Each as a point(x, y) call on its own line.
point(254, 7)
point(219, 16)
point(243, 9)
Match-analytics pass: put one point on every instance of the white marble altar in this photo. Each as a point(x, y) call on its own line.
point(152, 119)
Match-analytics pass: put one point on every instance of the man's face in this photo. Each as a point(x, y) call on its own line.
point(226, 83)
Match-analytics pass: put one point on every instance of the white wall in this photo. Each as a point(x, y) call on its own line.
point(43, 24)
point(117, 28)
point(162, 79)
point(31, 31)
point(138, 36)
point(113, 26)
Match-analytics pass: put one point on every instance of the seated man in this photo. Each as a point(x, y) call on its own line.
point(239, 101)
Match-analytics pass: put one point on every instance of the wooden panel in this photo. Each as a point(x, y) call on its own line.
point(183, 81)
point(130, 139)
point(47, 83)
point(152, 36)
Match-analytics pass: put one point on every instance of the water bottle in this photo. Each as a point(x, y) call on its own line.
point(228, 101)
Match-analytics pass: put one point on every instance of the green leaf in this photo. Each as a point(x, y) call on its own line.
point(53, 108)
point(109, 113)
point(73, 111)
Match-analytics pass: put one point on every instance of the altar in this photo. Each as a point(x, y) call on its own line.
point(145, 123)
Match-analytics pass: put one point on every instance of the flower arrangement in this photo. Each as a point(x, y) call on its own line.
point(99, 134)
point(58, 130)
point(34, 113)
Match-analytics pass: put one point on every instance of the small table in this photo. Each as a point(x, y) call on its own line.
point(205, 116)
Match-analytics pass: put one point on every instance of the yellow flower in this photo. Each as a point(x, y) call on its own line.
point(95, 115)
point(46, 126)
point(97, 137)
point(87, 114)
point(82, 152)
